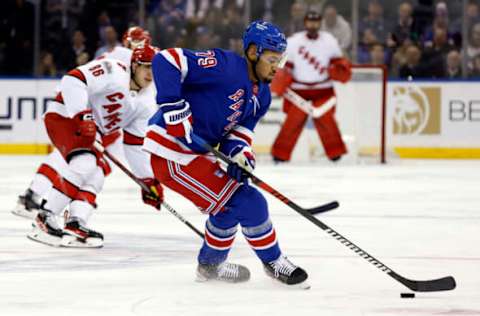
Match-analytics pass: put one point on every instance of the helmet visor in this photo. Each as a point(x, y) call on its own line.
point(278, 60)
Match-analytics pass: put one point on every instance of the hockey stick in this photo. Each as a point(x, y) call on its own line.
point(144, 187)
point(314, 210)
point(306, 106)
point(443, 284)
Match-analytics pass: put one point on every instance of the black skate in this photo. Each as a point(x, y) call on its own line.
point(286, 272)
point(46, 230)
point(78, 235)
point(225, 271)
point(27, 205)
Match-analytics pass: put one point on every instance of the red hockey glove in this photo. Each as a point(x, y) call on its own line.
point(86, 127)
point(155, 196)
point(340, 69)
point(178, 119)
point(282, 80)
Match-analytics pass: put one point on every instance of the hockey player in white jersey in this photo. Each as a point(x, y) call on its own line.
point(29, 202)
point(95, 103)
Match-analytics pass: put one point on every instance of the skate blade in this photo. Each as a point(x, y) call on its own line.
point(69, 241)
point(21, 211)
point(201, 278)
point(42, 237)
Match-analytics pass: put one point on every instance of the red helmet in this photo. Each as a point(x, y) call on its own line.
point(135, 36)
point(143, 55)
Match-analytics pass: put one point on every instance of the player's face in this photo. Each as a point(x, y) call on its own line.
point(143, 75)
point(268, 64)
point(312, 25)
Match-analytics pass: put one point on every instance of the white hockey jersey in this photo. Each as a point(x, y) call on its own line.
point(103, 86)
point(309, 59)
point(120, 53)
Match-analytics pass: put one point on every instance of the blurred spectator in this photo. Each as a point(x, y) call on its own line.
point(17, 18)
point(47, 67)
point(374, 21)
point(377, 54)
point(472, 16)
point(205, 38)
point(68, 58)
point(271, 10)
point(434, 53)
point(412, 68)
point(335, 24)
point(295, 23)
point(171, 22)
point(473, 45)
point(453, 69)
point(422, 17)
point(399, 58)
point(403, 29)
point(82, 59)
point(366, 43)
point(231, 28)
point(475, 70)
point(441, 20)
point(196, 10)
point(110, 40)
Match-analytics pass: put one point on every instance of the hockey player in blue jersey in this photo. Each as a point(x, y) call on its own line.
point(220, 96)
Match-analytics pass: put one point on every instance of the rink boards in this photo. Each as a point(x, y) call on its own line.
point(423, 119)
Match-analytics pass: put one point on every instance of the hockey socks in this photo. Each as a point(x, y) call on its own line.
point(217, 244)
point(263, 240)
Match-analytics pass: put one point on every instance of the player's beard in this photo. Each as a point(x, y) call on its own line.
point(312, 33)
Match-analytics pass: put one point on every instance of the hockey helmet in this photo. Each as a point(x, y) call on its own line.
point(143, 55)
point(135, 36)
point(313, 16)
point(264, 35)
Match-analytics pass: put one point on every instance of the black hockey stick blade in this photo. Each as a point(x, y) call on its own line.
point(443, 284)
point(323, 208)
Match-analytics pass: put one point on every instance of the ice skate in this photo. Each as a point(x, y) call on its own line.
point(287, 273)
point(225, 271)
point(27, 205)
point(77, 235)
point(46, 230)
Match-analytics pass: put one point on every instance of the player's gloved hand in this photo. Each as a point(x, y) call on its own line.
point(244, 160)
point(86, 126)
point(178, 118)
point(340, 69)
point(155, 196)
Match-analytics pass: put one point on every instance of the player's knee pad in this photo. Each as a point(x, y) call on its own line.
point(83, 164)
point(95, 181)
point(249, 206)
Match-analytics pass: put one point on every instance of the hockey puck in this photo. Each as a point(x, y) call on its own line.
point(407, 295)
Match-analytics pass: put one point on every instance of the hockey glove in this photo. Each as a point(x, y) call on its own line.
point(86, 127)
point(178, 119)
point(155, 196)
point(340, 69)
point(244, 160)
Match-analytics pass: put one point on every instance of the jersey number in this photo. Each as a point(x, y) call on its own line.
point(207, 59)
point(97, 70)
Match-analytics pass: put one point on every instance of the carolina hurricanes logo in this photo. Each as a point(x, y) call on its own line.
point(311, 59)
point(113, 117)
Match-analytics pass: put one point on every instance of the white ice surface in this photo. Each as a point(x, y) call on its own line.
point(421, 218)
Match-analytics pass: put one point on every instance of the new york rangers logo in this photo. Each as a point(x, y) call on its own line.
point(235, 107)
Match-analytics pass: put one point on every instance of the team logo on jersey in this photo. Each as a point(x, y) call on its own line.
point(416, 110)
point(312, 60)
point(235, 107)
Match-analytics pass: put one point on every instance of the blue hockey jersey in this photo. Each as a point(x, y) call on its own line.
point(225, 104)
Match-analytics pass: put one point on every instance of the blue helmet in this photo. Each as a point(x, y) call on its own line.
point(264, 35)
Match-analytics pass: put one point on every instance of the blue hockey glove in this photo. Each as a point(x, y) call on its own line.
point(244, 160)
point(178, 119)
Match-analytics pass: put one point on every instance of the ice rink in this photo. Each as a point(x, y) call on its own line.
point(421, 218)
